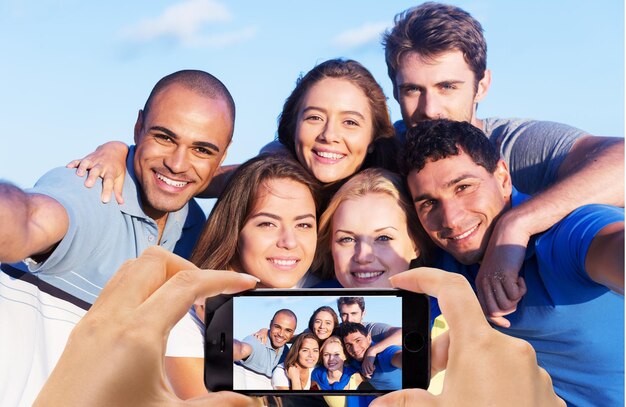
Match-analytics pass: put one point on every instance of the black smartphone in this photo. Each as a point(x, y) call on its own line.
point(236, 360)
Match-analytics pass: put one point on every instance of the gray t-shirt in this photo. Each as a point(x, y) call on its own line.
point(533, 150)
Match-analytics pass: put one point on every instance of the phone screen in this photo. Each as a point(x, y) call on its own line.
point(317, 341)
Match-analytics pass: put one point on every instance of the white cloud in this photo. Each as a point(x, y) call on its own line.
point(363, 35)
point(184, 23)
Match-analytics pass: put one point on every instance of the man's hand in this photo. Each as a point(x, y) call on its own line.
point(367, 365)
point(498, 284)
point(107, 162)
point(261, 335)
point(114, 356)
point(483, 366)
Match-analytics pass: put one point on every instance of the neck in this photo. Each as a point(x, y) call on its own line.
point(334, 375)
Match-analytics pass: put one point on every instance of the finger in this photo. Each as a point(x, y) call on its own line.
point(408, 398)
point(137, 279)
point(439, 353)
point(505, 305)
point(118, 188)
point(84, 166)
point(225, 398)
point(457, 300)
point(72, 164)
point(500, 321)
point(107, 189)
point(169, 303)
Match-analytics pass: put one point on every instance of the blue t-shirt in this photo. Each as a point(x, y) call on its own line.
point(263, 358)
point(386, 376)
point(575, 325)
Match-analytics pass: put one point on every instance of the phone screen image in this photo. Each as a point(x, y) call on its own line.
point(338, 341)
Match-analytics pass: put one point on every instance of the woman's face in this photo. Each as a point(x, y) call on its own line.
point(323, 325)
point(277, 242)
point(333, 356)
point(370, 241)
point(334, 128)
point(309, 353)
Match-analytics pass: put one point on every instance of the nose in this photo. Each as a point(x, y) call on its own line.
point(429, 106)
point(330, 133)
point(450, 214)
point(177, 162)
point(363, 253)
point(287, 239)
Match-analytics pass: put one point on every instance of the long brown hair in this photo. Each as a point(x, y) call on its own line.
point(217, 245)
point(292, 356)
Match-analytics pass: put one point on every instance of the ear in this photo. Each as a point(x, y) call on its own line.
point(504, 179)
point(223, 156)
point(483, 86)
point(138, 126)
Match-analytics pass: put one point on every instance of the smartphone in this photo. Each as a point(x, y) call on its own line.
point(232, 319)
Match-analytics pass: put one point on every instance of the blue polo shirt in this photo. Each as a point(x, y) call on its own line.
point(575, 325)
point(263, 358)
point(40, 304)
point(386, 376)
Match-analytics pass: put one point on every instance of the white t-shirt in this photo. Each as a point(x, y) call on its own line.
point(186, 338)
point(280, 379)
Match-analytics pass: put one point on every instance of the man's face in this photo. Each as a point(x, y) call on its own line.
point(351, 313)
point(356, 344)
point(458, 202)
point(181, 141)
point(282, 328)
point(437, 88)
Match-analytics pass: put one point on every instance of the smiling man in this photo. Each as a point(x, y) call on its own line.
point(73, 243)
point(255, 360)
point(436, 58)
point(387, 374)
point(573, 311)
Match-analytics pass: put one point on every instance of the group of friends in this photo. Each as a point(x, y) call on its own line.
point(328, 355)
point(526, 214)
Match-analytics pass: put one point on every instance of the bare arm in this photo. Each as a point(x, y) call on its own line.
point(605, 258)
point(396, 360)
point(241, 350)
point(32, 224)
point(392, 337)
point(592, 172)
point(186, 376)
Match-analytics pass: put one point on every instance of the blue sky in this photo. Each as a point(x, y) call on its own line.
point(254, 313)
point(75, 73)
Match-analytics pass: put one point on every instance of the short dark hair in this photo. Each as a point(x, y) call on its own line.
point(284, 311)
point(433, 140)
point(203, 83)
point(348, 328)
point(432, 28)
point(360, 301)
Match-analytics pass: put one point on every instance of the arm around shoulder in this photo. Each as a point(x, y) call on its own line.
point(32, 224)
point(605, 258)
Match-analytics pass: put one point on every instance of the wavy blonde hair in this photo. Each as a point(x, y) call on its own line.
point(369, 181)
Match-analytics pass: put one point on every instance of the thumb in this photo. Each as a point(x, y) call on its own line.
point(405, 398)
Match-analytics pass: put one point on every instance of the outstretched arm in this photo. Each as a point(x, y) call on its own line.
point(392, 337)
point(241, 350)
point(592, 172)
point(32, 224)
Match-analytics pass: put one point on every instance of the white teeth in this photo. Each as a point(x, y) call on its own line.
point(171, 182)
point(281, 262)
point(466, 234)
point(370, 274)
point(331, 156)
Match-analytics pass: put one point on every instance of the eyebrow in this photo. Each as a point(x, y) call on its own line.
point(375, 230)
point(445, 81)
point(273, 216)
point(173, 135)
point(448, 184)
point(354, 112)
